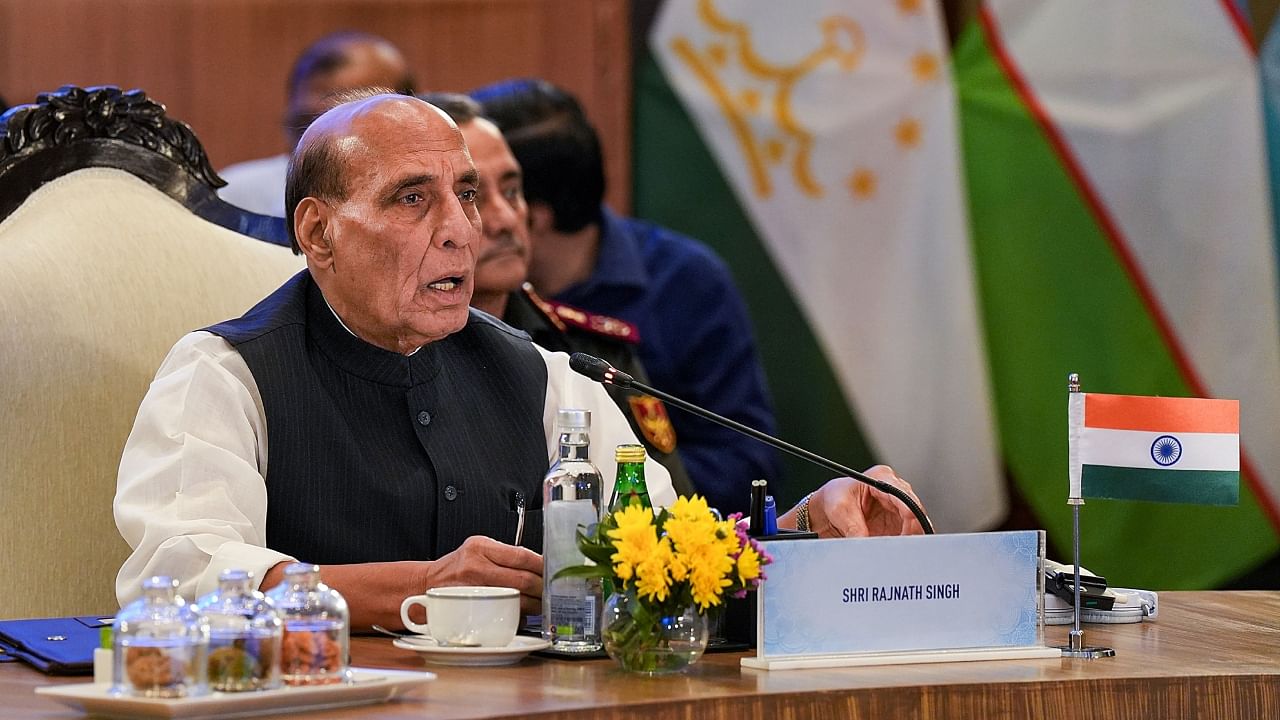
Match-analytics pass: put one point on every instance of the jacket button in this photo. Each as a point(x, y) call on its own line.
point(424, 418)
point(450, 493)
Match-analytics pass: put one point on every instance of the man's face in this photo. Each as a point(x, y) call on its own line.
point(403, 242)
point(502, 260)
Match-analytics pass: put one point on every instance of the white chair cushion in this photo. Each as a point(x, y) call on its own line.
point(100, 274)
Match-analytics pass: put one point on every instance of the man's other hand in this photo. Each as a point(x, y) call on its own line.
point(844, 507)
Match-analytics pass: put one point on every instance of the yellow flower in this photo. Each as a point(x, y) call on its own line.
point(689, 534)
point(748, 565)
point(697, 556)
point(727, 534)
point(692, 527)
point(634, 540)
point(694, 508)
point(631, 518)
point(653, 578)
point(709, 567)
point(679, 568)
point(708, 591)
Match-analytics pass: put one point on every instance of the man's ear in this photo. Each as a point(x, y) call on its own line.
point(311, 227)
point(542, 219)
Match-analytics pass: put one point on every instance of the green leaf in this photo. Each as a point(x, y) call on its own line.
point(582, 571)
point(598, 555)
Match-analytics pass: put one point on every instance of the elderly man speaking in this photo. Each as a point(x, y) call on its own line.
point(362, 417)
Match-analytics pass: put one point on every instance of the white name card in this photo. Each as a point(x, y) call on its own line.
point(887, 600)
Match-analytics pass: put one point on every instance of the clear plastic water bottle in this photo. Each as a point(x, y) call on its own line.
point(570, 501)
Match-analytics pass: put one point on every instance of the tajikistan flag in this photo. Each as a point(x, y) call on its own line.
point(1129, 447)
point(1122, 230)
point(814, 145)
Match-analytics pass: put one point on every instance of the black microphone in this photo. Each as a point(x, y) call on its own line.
point(602, 372)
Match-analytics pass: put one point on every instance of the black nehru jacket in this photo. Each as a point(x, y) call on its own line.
point(373, 455)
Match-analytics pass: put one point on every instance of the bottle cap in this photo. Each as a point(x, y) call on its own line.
point(629, 453)
point(573, 419)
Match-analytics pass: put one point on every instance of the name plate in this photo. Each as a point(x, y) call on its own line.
point(920, 598)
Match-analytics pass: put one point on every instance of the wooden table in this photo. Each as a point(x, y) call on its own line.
point(1210, 655)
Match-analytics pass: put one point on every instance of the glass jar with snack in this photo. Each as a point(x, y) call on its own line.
point(244, 635)
point(316, 628)
point(159, 644)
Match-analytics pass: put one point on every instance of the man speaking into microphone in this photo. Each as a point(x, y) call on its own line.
point(362, 417)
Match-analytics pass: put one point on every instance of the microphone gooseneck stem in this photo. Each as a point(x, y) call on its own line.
point(799, 452)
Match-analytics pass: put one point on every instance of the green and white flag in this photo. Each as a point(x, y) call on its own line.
point(1115, 165)
point(833, 124)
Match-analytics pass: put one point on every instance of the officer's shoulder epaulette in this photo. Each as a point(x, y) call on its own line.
point(544, 307)
point(567, 315)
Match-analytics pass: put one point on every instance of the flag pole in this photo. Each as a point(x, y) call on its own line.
point(1075, 646)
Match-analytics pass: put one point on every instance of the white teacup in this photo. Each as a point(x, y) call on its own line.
point(467, 616)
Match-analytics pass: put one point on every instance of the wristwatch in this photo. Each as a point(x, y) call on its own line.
point(802, 514)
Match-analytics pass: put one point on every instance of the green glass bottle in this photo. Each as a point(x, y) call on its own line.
point(629, 488)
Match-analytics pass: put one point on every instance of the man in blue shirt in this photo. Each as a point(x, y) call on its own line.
point(695, 337)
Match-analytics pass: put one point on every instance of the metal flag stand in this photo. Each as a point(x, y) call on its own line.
point(1075, 646)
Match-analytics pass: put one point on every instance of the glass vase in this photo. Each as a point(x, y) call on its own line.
point(648, 640)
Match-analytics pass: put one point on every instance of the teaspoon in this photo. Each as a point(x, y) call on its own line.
point(395, 634)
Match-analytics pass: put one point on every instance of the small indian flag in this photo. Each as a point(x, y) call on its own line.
point(1130, 447)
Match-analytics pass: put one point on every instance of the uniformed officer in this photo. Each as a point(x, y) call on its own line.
point(556, 326)
point(501, 290)
point(696, 337)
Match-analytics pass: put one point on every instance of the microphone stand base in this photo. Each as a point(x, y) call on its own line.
point(1075, 648)
point(1089, 653)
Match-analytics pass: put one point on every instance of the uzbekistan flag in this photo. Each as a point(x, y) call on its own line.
point(1122, 230)
point(1129, 447)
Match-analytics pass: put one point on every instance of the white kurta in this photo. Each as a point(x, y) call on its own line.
point(191, 499)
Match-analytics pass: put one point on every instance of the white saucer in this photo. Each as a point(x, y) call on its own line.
point(433, 653)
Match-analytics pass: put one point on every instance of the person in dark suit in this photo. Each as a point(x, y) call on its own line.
point(363, 416)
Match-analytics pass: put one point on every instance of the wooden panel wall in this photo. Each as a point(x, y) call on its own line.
point(221, 65)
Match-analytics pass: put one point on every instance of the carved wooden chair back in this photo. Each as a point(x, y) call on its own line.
point(113, 244)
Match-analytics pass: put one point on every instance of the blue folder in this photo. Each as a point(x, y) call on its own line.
point(57, 646)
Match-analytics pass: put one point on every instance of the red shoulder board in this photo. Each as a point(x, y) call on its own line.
point(651, 416)
point(593, 323)
point(543, 306)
